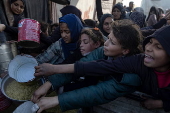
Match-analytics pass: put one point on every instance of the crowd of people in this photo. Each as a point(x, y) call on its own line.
point(90, 63)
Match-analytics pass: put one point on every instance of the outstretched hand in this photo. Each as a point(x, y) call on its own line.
point(167, 15)
point(41, 91)
point(2, 27)
point(149, 103)
point(47, 102)
point(44, 69)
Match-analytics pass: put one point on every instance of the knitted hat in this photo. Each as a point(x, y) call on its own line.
point(163, 37)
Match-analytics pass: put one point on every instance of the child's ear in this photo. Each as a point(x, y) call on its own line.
point(97, 44)
point(125, 51)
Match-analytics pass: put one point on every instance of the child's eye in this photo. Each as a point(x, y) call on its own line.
point(159, 47)
point(15, 4)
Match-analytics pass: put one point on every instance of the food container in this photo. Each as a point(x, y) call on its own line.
point(4, 101)
point(18, 91)
point(29, 33)
point(21, 68)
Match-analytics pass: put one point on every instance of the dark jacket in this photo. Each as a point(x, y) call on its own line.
point(132, 64)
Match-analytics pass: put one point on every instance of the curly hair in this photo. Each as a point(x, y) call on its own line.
point(95, 34)
point(128, 35)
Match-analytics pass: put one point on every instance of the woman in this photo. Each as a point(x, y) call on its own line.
point(17, 8)
point(105, 24)
point(118, 12)
point(153, 16)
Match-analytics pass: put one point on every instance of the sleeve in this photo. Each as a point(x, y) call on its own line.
point(165, 96)
point(12, 30)
point(94, 55)
point(160, 23)
point(131, 64)
point(51, 54)
point(59, 80)
point(101, 93)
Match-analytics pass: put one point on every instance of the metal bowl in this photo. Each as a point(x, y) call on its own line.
point(5, 81)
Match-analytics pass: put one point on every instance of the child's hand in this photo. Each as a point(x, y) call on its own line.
point(46, 103)
point(2, 27)
point(44, 69)
point(41, 91)
point(152, 104)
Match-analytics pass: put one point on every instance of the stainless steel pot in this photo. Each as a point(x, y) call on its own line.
point(5, 81)
point(7, 52)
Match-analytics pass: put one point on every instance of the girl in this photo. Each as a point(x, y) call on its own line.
point(90, 39)
point(118, 12)
point(17, 8)
point(115, 47)
point(153, 16)
point(105, 24)
point(152, 67)
point(70, 29)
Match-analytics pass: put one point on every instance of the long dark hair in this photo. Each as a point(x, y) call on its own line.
point(156, 12)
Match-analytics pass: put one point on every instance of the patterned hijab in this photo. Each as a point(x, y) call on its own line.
point(138, 18)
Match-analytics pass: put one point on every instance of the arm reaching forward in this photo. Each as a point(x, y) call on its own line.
point(46, 69)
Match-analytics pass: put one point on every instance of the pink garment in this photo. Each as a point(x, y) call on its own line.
point(163, 78)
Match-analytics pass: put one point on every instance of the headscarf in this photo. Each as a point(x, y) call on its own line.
point(139, 9)
point(75, 26)
point(71, 10)
point(17, 17)
point(122, 10)
point(138, 18)
point(162, 35)
point(104, 16)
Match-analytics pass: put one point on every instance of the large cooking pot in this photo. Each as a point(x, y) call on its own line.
point(5, 81)
point(7, 53)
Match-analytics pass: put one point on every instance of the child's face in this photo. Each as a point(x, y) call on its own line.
point(112, 47)
point(17, 7)
point(107, 24)
point(87, 45)
point(65, 32)
point(156, 57)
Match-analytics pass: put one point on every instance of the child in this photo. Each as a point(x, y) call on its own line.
point(152, 67)
point(90, 39)
point(123, 31)
point(70, 29)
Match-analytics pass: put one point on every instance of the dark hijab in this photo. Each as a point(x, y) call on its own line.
point(17, 17)
point(122, 10)
point(104, 16)
point(75, 26)
point(138, 18)
point(70, 9)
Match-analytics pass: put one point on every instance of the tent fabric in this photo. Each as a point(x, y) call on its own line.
point(38, 10)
